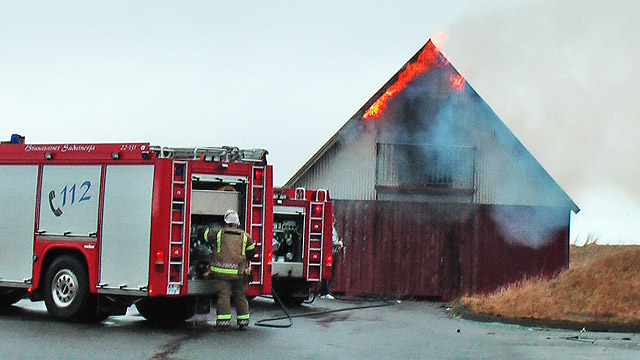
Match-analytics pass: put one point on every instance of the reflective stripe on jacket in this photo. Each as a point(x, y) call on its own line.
point(229, 261)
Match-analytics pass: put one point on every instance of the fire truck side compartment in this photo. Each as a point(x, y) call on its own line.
point(280, 268)
point(69, 201)
point(126, 227)
point(208, 205)
point(283, 218)
point(18, 188)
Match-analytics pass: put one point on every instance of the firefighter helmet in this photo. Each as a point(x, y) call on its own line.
point(231, 217)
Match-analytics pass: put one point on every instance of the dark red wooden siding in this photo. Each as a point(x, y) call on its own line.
point(436, 250)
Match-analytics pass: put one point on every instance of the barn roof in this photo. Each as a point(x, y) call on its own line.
point(366, 108)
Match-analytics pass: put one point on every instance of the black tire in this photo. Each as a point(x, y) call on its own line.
point(9, 297)
point(165, 311)
point(93, 314)
point(66, 289)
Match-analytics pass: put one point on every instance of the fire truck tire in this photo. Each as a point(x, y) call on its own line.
point(163, 311)
point(66, 289)
point(9, 297)
point(93, 313)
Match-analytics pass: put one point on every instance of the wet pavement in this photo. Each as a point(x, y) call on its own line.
point(321, 330)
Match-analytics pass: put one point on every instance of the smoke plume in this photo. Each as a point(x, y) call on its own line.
point(561, 75)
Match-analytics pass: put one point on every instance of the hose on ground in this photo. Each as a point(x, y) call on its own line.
point(289, 317)
point(264, 322)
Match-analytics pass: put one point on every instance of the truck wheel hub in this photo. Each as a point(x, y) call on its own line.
point(65, 285)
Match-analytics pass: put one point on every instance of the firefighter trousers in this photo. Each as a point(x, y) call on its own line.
point(228, 289)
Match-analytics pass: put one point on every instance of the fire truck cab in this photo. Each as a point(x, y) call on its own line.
point(93, 228)
point(302, 242)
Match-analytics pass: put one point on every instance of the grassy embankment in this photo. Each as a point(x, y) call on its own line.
point(602, 284)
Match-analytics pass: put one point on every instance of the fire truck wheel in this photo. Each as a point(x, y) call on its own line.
point(163, 311)
point(93, 313)
point(9, 297)
point(66, 289)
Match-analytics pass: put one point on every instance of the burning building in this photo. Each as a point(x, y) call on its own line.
point(433, 195)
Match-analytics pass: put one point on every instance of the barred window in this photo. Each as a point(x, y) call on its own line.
point(424, 166)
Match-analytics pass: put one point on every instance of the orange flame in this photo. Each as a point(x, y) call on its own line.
point(426, 60)
point(457, 81)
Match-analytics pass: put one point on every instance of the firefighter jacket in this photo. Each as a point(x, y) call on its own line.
point(232, 247)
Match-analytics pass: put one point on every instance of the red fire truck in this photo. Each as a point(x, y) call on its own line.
point(302, 242)
point(93, 228)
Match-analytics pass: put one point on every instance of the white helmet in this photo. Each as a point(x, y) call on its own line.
point(231, 217)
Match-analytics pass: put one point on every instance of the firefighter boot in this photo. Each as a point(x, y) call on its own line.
point(223, 324)
point(243, 321)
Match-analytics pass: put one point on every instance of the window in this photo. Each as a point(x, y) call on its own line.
point(414, 167)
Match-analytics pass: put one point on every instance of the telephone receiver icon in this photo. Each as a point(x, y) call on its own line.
point(56, 211)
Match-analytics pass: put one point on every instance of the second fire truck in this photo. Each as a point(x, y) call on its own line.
point(302, 242)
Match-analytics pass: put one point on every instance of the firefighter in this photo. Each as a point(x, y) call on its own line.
point(232, 248)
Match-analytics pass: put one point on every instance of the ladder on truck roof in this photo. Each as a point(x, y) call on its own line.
point(224, 153)
point(178, 226)
point(257, 222)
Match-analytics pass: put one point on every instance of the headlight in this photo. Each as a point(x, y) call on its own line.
point(289, 256)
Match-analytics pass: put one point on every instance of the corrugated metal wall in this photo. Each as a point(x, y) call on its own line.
point(435, 250)
point(501, 259)
point(511, 179)
point(347, 168)
point(506, 172)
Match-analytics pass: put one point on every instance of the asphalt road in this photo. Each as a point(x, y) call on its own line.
point(402, 330)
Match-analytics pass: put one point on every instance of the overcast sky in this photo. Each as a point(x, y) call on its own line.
point(285, 75)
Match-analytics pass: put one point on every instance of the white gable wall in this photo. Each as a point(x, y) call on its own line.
point(347, 169)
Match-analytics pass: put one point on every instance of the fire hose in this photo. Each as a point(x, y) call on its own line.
point(289, 317)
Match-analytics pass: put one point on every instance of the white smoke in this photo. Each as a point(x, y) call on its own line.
point(561, 74)
point(533, 227)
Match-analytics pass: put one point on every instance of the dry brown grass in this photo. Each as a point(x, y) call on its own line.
point(602, 284)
